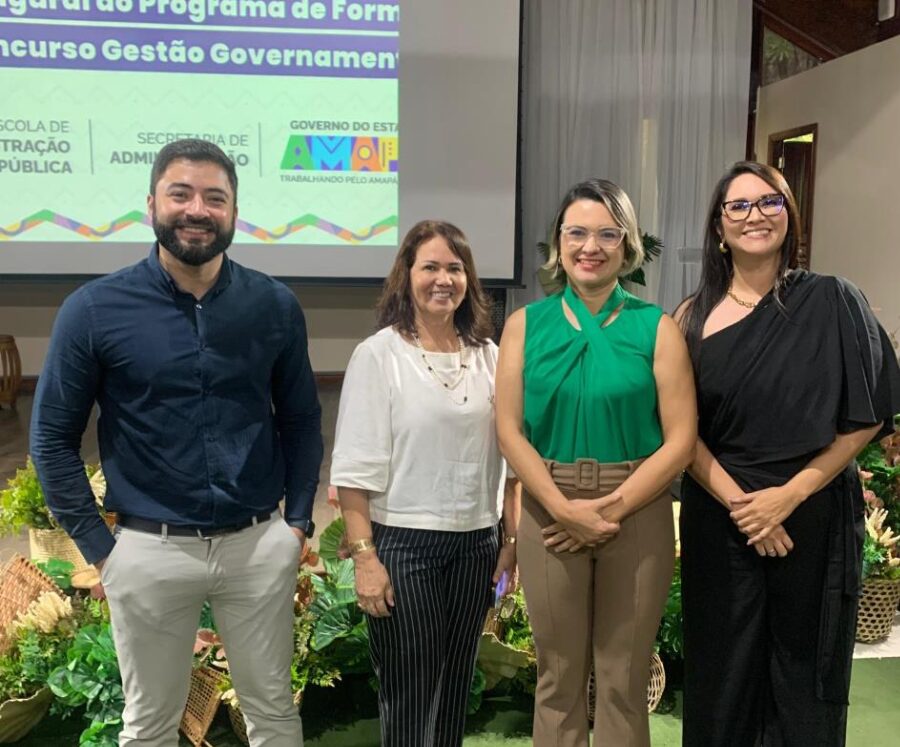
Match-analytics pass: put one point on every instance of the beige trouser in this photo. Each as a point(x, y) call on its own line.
point(156, 588)
point(601, 605)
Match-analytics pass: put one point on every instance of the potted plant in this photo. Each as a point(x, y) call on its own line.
point(38, 644)
point(22, 505)
point(881, 574)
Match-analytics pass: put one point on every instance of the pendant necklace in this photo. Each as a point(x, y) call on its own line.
point(460, 377)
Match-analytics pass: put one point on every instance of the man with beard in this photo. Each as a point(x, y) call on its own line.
point(208, 418)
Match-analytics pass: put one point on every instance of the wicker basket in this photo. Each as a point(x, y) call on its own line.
point(239, 725)
point(655, 687)
point(202, 704)
point(55, 543)
point(877, 607)
point(21, 582)
point(493, 623)
point(18, 716)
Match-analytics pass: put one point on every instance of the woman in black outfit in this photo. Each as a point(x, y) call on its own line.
point(794, 377)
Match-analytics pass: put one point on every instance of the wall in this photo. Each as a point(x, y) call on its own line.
point(337, 319)
point(855, 100)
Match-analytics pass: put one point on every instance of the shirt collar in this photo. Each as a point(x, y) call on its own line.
point(159, 274)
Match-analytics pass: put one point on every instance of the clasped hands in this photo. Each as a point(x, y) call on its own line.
point(760, 515)
point(586, 522)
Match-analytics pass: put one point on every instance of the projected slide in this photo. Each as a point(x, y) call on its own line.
point(301, 94)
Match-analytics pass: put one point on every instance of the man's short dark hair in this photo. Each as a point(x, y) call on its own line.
point(193, 149)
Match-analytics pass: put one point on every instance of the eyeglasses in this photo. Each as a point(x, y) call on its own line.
point(606, 238)
point(768, 205)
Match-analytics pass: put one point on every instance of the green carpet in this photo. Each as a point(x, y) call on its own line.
point(344, 718)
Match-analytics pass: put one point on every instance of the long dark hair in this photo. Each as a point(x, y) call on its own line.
point(395, 307)
point(718, 268)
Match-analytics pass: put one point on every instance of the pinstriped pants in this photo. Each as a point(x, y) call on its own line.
point(424, 653)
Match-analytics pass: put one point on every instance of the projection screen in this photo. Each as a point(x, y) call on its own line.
point(348, 122)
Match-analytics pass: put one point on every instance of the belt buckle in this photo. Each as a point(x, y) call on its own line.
point(587, 481)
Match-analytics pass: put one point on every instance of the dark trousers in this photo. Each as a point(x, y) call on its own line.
point(751, 631)
point(424, 653)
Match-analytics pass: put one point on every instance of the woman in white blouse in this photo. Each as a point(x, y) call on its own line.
point(430, 520)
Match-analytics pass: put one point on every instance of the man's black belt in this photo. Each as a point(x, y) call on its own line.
point(181, 530)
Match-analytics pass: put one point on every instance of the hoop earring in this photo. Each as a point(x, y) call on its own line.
point(722, 247)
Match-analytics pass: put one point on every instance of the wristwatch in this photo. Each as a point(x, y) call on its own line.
point(509, 539)
point(308, 527)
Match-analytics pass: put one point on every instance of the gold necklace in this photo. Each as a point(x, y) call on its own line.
point(741, 301)
point(448, 386)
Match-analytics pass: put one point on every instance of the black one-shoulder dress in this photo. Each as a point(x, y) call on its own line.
point(768, 642)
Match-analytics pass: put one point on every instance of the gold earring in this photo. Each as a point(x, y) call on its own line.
point(722, 247)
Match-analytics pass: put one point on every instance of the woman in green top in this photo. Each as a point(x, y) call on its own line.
point(596, 414)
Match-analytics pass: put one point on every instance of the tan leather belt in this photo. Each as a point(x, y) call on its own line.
point(584, 474)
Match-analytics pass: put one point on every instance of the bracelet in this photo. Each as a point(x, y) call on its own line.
point(509, 539)
point(361, 545)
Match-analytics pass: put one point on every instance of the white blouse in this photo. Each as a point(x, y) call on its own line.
point(427, 459)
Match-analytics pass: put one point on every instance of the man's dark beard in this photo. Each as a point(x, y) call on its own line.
point(192, 254)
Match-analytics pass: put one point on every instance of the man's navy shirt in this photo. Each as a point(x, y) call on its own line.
point(208, 409)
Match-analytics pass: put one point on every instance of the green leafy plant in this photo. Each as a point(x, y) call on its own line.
point(879, 465)
point(58, 570)
point(41, 638)
point(90, 679)
point(23, 504)
point(670, 636)
point(340, 632)
point(333, 541)
point(25, 668)
point(881, 549)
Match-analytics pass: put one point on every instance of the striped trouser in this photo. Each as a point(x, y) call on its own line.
point(424, 653)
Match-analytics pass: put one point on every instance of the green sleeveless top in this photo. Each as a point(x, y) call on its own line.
point(591, 393)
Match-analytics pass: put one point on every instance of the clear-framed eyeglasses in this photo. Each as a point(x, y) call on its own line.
point(768, 205)
point(608, 237)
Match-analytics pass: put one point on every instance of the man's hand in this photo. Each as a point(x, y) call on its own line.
point(97, 590)
point(301, 535)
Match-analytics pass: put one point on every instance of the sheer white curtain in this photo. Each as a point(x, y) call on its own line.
point(649, 93)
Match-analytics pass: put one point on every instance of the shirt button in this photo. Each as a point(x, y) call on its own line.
point(199, 306)
point(210, 439)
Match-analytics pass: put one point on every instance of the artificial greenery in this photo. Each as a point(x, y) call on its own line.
point(60, 571)
point(670, 636)
point(517, 628)
point(26, 667)
point(874, 556)
point(22, 503)
point(90, 679)
point(880, 465)
point(340, 632)
point(38, 649)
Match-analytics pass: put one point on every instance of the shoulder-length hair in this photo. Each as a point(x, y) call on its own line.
point(619, 205)
point(395, 307)
point(718, 267)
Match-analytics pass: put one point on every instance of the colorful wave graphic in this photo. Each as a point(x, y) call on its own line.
point(99, 233)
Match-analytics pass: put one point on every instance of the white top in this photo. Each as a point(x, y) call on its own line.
point(427, 462)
